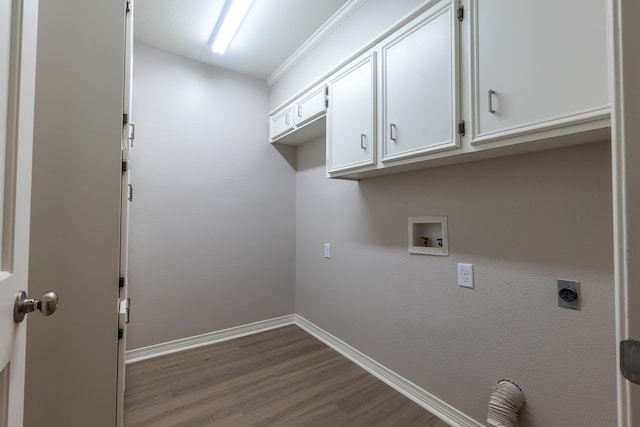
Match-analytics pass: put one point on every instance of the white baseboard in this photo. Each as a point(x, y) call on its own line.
point(182, 344)
point(431, 403)
point(417, 394)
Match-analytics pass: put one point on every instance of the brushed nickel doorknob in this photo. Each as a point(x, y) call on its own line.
point(47, 304)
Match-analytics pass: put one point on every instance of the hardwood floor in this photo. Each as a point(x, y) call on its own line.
point(282, 377)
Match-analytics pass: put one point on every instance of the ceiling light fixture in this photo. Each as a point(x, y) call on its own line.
point(233, 17)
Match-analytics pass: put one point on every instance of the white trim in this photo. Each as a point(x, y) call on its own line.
point(188, 343)
point(336, 19)
point(624, 93)
point(431, 403)
point(417, 394)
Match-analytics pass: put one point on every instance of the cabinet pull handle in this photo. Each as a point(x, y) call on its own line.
point(286, 119)
point(362, 138)
point(392, 132)
point(300, 111)
point(491, 93)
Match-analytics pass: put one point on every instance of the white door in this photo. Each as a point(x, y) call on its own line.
point(18, 27)
point(624, 35)
point(351, 130)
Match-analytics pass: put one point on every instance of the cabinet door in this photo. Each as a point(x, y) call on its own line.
point(537, 64)
point(281, 122)
point(310, 106)
point(351, 131)
point(419, 93)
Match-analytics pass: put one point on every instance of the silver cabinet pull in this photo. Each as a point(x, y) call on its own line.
point(392, 132)
point(300, 111)
point(491, 93)
point(362, 139)
point(286, 119)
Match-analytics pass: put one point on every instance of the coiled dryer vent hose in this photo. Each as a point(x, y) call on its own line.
point(504, 404)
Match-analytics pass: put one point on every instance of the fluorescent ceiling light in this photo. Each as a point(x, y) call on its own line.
point(232, 20)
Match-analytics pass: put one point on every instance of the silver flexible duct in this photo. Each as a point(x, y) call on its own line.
point(504, 404)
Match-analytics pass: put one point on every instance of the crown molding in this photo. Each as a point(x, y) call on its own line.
point(332, 23)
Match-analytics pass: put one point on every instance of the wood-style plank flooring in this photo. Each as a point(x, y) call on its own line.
point(282, 377)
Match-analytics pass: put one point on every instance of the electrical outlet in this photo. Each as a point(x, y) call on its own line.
point(465, 275)
point(568, 294)
point(327, 250)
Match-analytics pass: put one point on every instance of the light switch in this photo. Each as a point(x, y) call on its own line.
point(327, 250)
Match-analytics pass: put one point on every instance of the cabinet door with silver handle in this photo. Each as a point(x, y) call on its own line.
point(280, 123)
point(311, 106)
point(351, 124)
point(419, 86)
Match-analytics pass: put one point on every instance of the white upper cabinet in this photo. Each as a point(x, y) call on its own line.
point(351, 125)
point(310, 106)
point(300, 121)
point(420, 102)
point(459, 80)
point(281, 122)
point(537, 65)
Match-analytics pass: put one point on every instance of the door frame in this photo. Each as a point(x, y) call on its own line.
point(624, 43)
point(127, 143)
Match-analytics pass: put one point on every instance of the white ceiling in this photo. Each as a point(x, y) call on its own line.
point(271, 32)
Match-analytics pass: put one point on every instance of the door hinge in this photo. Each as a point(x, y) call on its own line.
point(461, 13)
point(124, 166)
point(461, 128)
point(121, 282)
point(120, 333)
point(128, 6)
point(130, 197)
point(125, 118)
point(630, 360)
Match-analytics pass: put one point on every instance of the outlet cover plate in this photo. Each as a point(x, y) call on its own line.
point(573, 285)
point(465, 275)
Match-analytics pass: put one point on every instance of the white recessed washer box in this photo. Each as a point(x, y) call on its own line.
point(428, 235)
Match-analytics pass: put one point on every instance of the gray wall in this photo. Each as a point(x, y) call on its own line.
point(212, 241)
point(75, 214)
point(523, 222)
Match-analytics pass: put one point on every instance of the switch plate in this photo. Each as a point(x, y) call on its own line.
point(327, 250)
point(465, 275)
